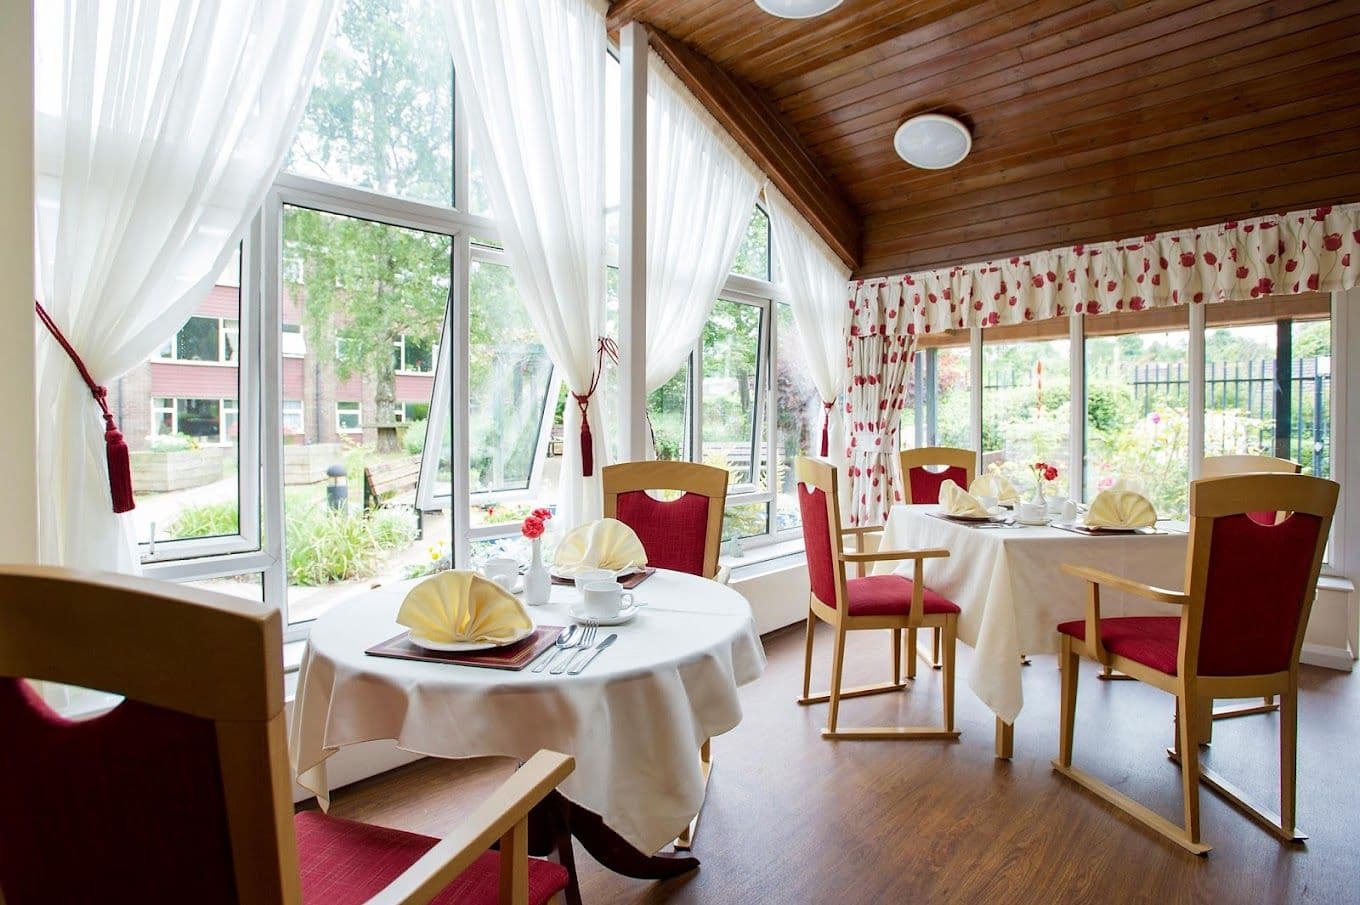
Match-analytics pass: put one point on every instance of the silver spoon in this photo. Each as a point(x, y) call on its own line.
point(564, 641)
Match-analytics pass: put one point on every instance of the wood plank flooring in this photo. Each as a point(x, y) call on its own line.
point(793, 818)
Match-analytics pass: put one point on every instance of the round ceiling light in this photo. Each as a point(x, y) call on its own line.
point(797, 9)
point(932, 141)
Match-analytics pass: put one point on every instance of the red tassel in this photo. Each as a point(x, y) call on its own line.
point(120, 468)
point(826, 427)
point(587, 449)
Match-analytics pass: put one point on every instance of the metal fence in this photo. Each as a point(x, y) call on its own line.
point(1243, 387)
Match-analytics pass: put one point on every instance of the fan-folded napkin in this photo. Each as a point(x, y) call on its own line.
point(997, 486)
point(957, 501)
point(604, 544)
point(459, 606)
point(1120, 509)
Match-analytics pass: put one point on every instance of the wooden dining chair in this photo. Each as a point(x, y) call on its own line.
point(923, 471)
point(683, 534)
point(181, 792)
point(1223, 466)
point(1248, 590)
point(891, 602)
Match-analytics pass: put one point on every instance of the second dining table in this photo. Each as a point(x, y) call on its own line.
point(634, 719)
point(1009, 585)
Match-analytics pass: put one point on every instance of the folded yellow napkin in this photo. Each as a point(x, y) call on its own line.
point(957, 501)
point(995, 485)
point(1120, 509)
point(605, 544)
point(462, 606)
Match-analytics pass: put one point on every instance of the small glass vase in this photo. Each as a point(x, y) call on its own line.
point(1039, 495)
point(537, 582)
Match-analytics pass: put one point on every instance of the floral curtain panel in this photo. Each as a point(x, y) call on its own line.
point(878, 359)
point(1314, 250)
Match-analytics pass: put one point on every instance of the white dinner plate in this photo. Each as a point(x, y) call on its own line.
point(467, 647)
point(993, 514)
point(570, 574)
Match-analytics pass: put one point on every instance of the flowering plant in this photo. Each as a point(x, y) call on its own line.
point(1045, 472)
point(535, 523)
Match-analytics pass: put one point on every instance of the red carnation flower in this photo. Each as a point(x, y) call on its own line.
point(532, 527)
point(543, 513)
point(1050, 473)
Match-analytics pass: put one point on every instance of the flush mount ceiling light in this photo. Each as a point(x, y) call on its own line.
point(797, 9)
point(932, 141)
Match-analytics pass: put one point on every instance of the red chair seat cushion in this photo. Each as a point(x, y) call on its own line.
point(890, 595)
point(1150, 640)
point(346, 863)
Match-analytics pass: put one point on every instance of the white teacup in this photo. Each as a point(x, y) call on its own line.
point(591, 576)
point(1056, 504)
point(1069, 511)
point(988, 502)
point(502, 570)
point(1032, 512)
point(604, 599)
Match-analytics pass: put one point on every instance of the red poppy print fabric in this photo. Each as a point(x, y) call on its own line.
point(1316, 250)
point(878, 364)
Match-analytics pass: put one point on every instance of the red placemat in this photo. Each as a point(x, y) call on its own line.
point(514, 656)
point(627, 584)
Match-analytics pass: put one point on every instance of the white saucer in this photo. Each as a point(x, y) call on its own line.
point(1037, 523)
point(570, 574)
point(462, 647)
point(627, 614)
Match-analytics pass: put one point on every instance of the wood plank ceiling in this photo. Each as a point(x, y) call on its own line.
point(1091, 120)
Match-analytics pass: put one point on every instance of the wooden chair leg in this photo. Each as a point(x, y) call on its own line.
point(1069, 662)
point(807, 656)
point(911, 653)
point(837, 664)
point(1187, 727)
point(896, 655)
point(1289, 764)
point(935, 660)
point(950, 631)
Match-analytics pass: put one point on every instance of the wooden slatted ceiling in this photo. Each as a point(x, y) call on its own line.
point(1091, 120)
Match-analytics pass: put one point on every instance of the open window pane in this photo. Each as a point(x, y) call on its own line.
point(179, 412)
point(798, 417)
point(1137, 403)
point(1026, 396)
point(357, 289)
point(380, 115)
point(731, 356)
point(946, 406)
point(668, 414)
point(510, 378)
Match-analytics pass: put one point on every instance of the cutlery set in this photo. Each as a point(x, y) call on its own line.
point(573, 650)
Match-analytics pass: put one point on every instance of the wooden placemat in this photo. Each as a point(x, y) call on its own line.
point(1109, 532)
point(627, 584)
point(513, 657)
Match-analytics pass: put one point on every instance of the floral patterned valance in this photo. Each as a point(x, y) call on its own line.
point(1316, 250)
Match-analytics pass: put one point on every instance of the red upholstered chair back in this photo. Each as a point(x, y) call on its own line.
point(925, 469)
point(1256, 578)
point(683, 534)
point(178, 793)
point(817, 503)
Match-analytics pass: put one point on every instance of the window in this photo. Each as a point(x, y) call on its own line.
point(413, 356)
point(753, 256)
point(1138, 404)
point(380, 116)
point(798, 417)
point(292, 417)
point(347, 417)
point(1026, 408)
point(207, 339)
point(943, 409)
point(731, 354)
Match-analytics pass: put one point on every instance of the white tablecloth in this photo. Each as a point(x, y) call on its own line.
point(634, 720)
point(1013, 592)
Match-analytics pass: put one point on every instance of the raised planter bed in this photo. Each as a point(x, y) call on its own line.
point(307, 463)
point(162, 472)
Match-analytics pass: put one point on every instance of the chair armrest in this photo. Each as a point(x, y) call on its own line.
point(1147, 591)
point(508, 806)
point(867, 529)
point(894, 555)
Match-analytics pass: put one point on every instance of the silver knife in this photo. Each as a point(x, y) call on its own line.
point(575, 668)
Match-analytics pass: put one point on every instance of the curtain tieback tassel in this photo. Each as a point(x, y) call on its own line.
point(605, 348)
point(826, 426)
point(115, 447)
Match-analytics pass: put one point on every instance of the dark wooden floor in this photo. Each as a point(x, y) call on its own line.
point(793, 818)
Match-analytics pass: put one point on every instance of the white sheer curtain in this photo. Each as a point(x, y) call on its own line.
point(531, 76)
point(701, 190)
point(815, 280)
point(160, 128)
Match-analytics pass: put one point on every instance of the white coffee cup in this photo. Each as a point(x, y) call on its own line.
point(1069, 511)
point(502, 570)
point(1032, 512)
point(988, 502)
point(590, 576)
point(604, 599)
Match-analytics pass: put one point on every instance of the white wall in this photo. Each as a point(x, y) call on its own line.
point(18, 407)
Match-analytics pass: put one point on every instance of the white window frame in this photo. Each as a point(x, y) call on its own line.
point(170, 351)
point(357, 411)
point(399, 345)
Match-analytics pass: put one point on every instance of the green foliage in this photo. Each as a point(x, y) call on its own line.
point(172, 442)
point(413, 441)
point(326, 546)
point(208, 520)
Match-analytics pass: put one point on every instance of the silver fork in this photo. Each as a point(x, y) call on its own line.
point(564, 641)
point(587, 639)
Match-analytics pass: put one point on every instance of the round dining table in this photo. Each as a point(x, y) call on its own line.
point(634, 719)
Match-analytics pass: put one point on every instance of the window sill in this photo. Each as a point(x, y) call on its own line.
point(765, 558)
